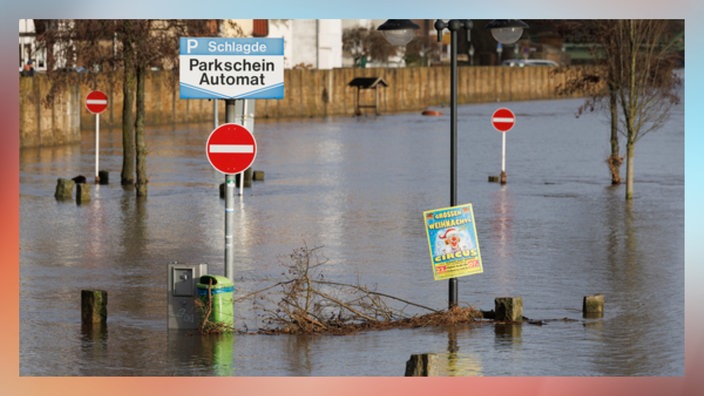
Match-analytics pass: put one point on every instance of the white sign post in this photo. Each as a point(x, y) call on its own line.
point(503, 120)
point(96, 103)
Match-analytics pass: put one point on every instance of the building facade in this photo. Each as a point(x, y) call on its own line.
point(28, 48)
point(309, 43)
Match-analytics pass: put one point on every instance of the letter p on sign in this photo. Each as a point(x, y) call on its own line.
point(192, 44)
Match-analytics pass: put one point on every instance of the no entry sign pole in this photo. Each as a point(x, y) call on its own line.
point(230, 205)
point(503, 158)
point(231, 149)
point(96, 103)
point(503, 120)
point(97, 148)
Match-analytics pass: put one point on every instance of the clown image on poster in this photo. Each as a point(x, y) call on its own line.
point(452, 241)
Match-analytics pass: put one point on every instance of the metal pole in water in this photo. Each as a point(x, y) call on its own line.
point(215, 113)
point(503, 158)
point(229, 203)
point(97, 146)
point(229, 225)
point(244, 115)
point(452, 287)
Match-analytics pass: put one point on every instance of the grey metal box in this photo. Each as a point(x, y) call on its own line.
point(182, 281)
point(182, 294)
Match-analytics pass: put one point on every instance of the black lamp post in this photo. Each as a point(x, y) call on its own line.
point(506, 31)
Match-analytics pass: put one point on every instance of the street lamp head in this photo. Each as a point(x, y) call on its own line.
point(507, 31)
point(398, 31)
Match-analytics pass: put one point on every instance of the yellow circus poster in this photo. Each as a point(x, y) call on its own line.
point(452, 241)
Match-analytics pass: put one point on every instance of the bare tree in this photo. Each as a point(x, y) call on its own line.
point(642, 64)
point(129, 87)
point(638, 62)
point(354, 43)
point(132, 47)
point(112, 47)
point(598, 81)
point(147, 44)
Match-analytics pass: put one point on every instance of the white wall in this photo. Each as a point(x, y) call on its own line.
point(329, 43)
point(314, 43)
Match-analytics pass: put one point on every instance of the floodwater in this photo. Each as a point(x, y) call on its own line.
point(356, 188)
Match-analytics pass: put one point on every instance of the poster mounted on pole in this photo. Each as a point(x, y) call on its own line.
point(452, 242)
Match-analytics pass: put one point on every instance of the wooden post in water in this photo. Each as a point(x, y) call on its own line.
point(104, 177)
point(418, 365)
point(64, 189)
point(82, 193)
point(508, 309)
point(258, 175)
point(94, 311)
point(247, 175)
point(593, 306)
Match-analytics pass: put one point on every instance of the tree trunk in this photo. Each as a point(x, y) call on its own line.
point(141, 148)
point(630, 108)
point(630, 161)
point(615, 159)
point(128, 93)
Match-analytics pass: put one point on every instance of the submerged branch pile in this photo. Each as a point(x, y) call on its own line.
point(310, 304)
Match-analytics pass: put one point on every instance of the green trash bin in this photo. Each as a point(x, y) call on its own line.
point(217, 291)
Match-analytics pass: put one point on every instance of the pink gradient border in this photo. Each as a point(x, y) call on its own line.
point(12, 384)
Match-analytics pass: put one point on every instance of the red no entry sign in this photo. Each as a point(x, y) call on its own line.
point(503, 119)
point(231, 149)
point(96, 102)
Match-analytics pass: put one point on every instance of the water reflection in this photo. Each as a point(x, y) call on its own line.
point(184, 350)
point(298, 355)
point(459, 364)
point(94, 342)
point(503, 220)
point(502, 223)
point(507, 335)
point(203, 355)
point(217, 351)
point(450, 364)
point(453, 363)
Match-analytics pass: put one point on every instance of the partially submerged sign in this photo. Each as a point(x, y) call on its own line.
point(231, 68)
point(452, 241)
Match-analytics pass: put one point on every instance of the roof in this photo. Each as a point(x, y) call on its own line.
point(367, 82)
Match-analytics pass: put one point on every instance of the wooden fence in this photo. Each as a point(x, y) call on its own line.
point(308, 94)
